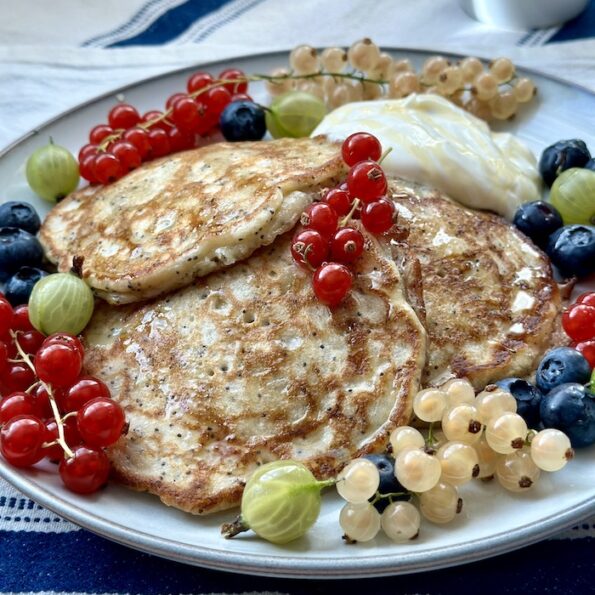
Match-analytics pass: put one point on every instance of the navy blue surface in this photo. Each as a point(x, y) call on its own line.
point(82, 562)
point(582, 27)
point(173, 23)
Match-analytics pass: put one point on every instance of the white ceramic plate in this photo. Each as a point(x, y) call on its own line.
point(492, 522)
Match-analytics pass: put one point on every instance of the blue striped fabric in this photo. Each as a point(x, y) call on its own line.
point(582, 27)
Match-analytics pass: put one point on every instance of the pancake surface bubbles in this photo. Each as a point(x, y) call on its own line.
point(185, 215)
point(246, 366)
point(491, 301)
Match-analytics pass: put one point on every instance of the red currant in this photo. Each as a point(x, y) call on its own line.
point(71, 437)
point(320, 217)
point(587, 299)
point(100, 132)
point(309, 249)
point(587, 348)
point(216, 100)
point(127, 154)
point(366, 181)
point(331, 282)
point(157, 115)
point(579, 322)
point(100, 422)
point(20, 440)
point(66, 339)
point(43, 400)
point(87, 169)
point(171, 100)
point(185, 114)
point(86, 471)
point(85, 389)
point(6, 317)
point(338, 200)
point(361, 146)
point(160, 145)
point(198, 81)
point(30, 341)
point(346, 245)
point(180, 141)
point(140, 139)
point(58, 364)
point(108, 168)
point(18, 376)
point(21, 320)
point(3, 356)
point(241, 97)
point(123, 116)
point(233, 74)
point(19, 403)
point(378, 216)
point(86, 150)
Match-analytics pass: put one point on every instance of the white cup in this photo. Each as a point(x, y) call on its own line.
point(523, 14)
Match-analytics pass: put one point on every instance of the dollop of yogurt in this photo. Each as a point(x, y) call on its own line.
point(436, 143)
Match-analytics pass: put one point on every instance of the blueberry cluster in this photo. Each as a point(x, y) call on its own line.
point(561, 397)
point(21, 254)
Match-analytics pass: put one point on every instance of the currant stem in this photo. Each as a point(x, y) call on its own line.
point(48, 388)
point(430, 439)
point(389, 495)
point(384, 155)
point(346, 219)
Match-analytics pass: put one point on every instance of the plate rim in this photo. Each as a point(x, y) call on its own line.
point(288, 566)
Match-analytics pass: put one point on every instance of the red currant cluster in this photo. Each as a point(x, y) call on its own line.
point(579, 323)
point(49, 409)
point(326, 235)
point(128, 138)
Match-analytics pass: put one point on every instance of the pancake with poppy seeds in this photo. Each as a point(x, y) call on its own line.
point(245, 366)
point(183, 216)
point(491, 302)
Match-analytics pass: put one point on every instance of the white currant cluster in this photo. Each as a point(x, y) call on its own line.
point(481, 436)
point(364, 72)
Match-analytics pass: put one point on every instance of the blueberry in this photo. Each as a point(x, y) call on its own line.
point(538, 220)
point(21, 215)
point(571, 409)
point(590, 165)
point(528, 398)
point(560, 366)
point(388, 482)
point(242, 120)
point(572, 249)
point(19, 287)
point(561, 156)
point(17, 248)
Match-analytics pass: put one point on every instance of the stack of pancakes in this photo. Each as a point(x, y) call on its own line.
point(213, 341)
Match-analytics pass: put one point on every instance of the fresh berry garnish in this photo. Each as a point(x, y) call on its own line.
point(140, 139)
point(87, 169)
point(216, 100)
point(19, 403)
point(100, 422)
point(58, 364)
point(346, 245)
point(579, 322)
point(66, 339)
point(43, 400)
point(156, 117)
point(309, 249)
point(3, 356)
point(160, 145)
point(242, 121)
point(378, 216)
point(71, 437)
point(18, 376)
point(86, 471)
point(233, 74)
point(127, 154)
point(528, 398)
point(19, 287)
point(561, 365)
point(241, 97)
point(339, 200)
point(123, 116)
point(572, 249)
point(562, 156)
point(86, 150)
point(18, 248)
point(538, 220)
point(20, 440)
point(185, 114)
point(108, 168)
point(15, 213)
point(587, 299)
point(99, 133)
point(361, 146)
point(30, 341)
point(198, 81)
point(6, 316)
point(331, 283)
point(366, 181)
point(320, 217)
point(171, 100)
point(587, 348)
point(84, 390)
point(180, 141)
point(21, 320)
